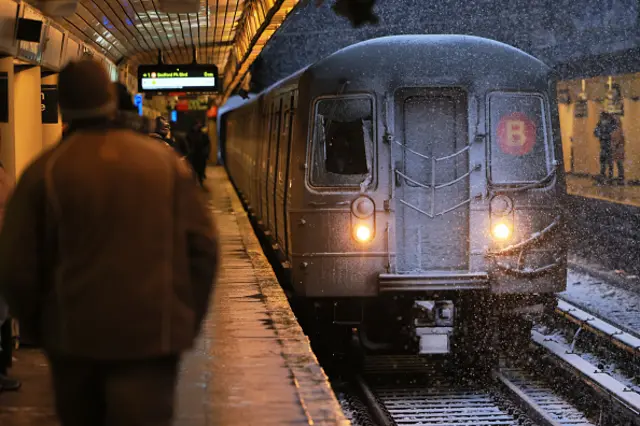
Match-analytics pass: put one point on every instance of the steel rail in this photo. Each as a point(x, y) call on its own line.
point(375, 410)
point(533, 410)
point(599, 327)
point(597, 379)
point(506, 397)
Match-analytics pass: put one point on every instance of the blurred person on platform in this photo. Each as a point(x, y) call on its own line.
point(108, 256)
point(603, 130)
point(199, 150)
point(6, 335)
point(163, 133)
point(128, 116)
point(617, 148)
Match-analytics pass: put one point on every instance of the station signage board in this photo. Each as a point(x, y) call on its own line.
point(581, 109)
point(49, 103)
point(614, 103)
point(191, 78)
point(516, 134)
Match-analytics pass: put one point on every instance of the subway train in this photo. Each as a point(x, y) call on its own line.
point(410, 188)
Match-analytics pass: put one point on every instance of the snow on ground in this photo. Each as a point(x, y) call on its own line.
point(618, 306)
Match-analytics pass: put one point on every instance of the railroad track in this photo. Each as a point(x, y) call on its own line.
point(416, 392)
point(624, 339)
point(538, 400)
point(555, 387)
point(616, 392)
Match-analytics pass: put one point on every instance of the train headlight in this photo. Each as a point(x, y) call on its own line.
point(501, 231)
point(363, 233)
point(363, 219)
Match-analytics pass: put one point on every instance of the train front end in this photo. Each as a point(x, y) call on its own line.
point(476, 226)
point(437, 188)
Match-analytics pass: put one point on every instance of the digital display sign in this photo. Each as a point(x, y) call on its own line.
point(178, 78)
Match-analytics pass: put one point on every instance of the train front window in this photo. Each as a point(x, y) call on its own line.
point(519, 150)
point(341, 154)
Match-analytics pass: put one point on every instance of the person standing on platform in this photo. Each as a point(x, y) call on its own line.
point(617, 148)
point(128, 116)
point(162, 129)
point(199, 150)
point(6, 335)
point(163, 132)
point(108, 254)
point(603, 131)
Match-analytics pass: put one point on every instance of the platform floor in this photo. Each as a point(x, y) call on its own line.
point(587, 187)
point(252, 364)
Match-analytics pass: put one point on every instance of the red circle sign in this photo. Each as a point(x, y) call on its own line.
point(516, 134)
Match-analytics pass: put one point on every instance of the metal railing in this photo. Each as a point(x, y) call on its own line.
point(432, 186)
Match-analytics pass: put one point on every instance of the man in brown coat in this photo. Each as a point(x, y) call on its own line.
point(6, 337)
point(108, 256)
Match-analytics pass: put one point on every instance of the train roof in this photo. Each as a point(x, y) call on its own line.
point(234, 102)
point(255, 97)
point(470, 56)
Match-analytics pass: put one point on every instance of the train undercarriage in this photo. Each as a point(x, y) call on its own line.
point(470, 326)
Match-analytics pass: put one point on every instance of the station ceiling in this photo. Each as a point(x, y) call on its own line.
point(227, 33)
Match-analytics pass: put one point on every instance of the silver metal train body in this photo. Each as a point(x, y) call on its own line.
point(408, 174)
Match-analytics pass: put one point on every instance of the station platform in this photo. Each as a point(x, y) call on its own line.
point(604, 224)
point(252, 364)
point(587, 187)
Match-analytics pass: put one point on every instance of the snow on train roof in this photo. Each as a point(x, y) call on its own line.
point(443, 51)
point(447, 53)
point(236, 101)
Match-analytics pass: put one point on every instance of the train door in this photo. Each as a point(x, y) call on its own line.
point(264, 177)
point(273, 164)
point(283, 169)
point(431, 178)
point(254, 141)
point(258, 136)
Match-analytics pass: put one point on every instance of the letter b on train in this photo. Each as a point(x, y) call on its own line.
point(516, 134)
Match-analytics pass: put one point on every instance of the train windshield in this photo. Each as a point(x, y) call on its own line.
point(520, 152)
point(342, 141)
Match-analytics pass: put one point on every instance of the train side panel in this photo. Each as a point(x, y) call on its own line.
point(258, 151)
point(326, 259)
point(265, 127)
point(241, 142)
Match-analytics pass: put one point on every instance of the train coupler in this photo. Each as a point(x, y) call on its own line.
point(433, 322)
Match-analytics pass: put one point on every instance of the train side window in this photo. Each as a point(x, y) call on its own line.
point(520, 151)
point(343, 142)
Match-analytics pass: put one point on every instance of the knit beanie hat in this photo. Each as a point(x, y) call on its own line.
point(85, 91)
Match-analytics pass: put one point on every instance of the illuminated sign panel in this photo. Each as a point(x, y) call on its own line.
point(516, 134)
point(178, 78)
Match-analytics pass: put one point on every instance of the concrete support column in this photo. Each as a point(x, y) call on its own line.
point(27, 117)
point(51, 133)
point(7, 140)
point(565, 112)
